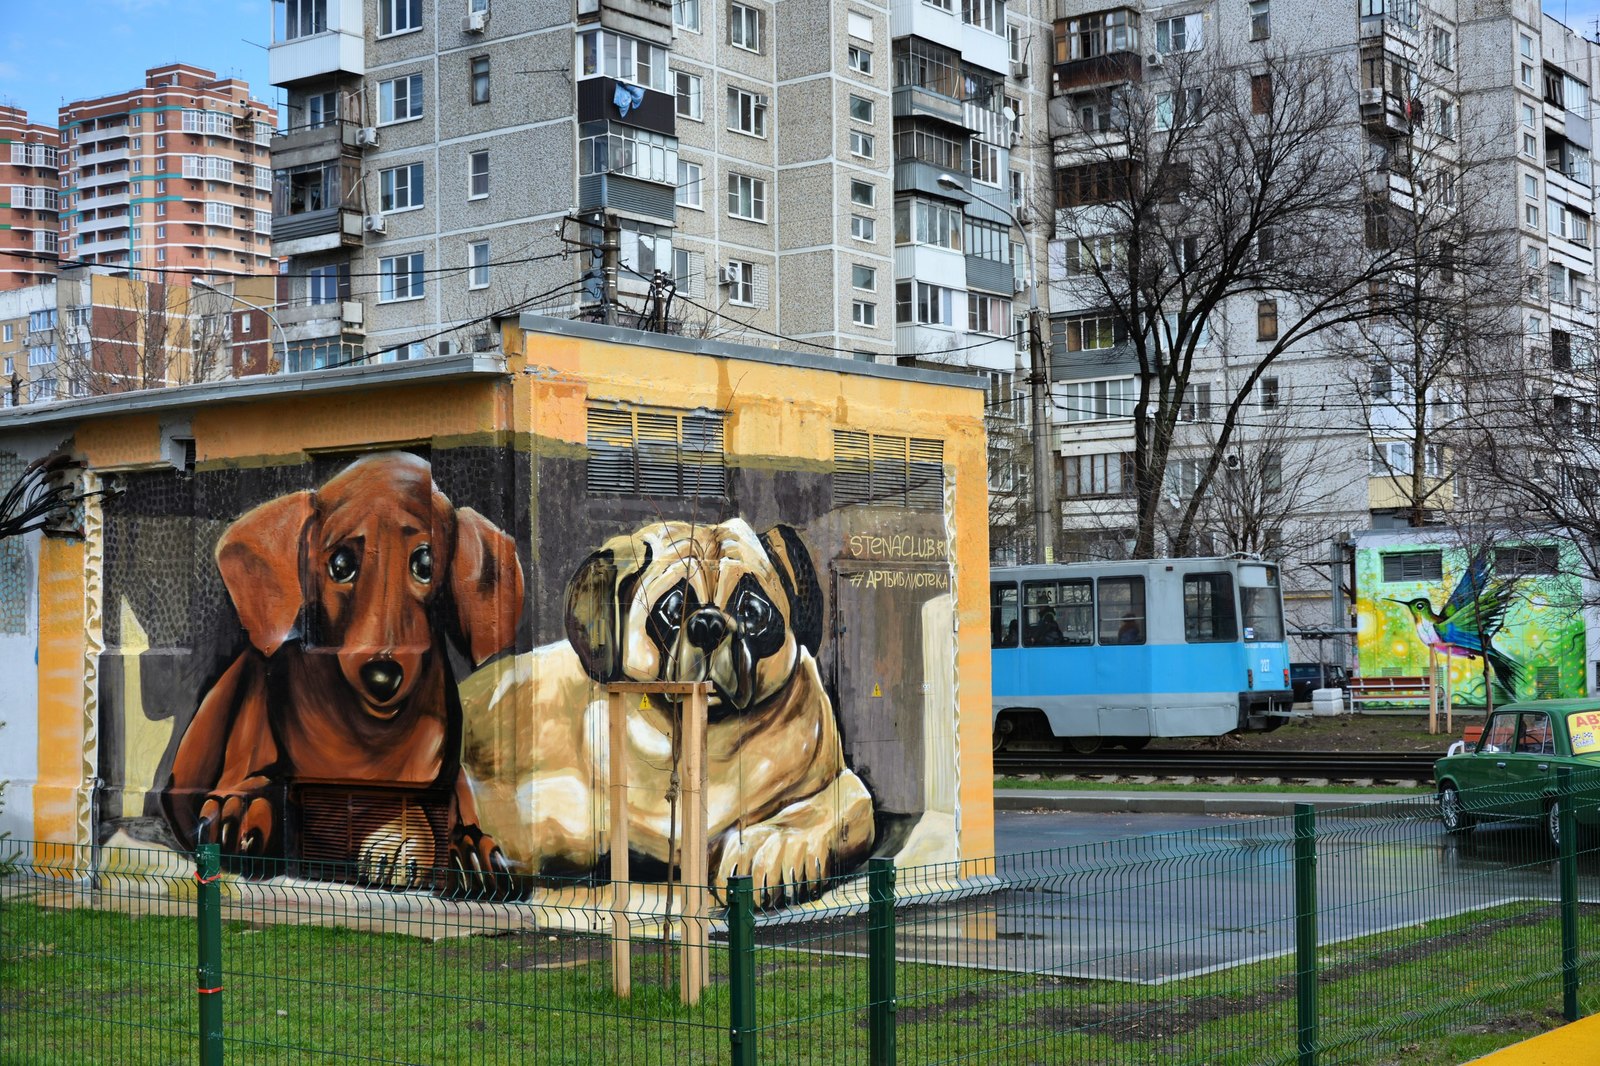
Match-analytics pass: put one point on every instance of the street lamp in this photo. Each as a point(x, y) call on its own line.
point(283, 340)
point(1038, 390)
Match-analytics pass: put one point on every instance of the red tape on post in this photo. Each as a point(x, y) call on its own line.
point(209, 991)
point(206, 880)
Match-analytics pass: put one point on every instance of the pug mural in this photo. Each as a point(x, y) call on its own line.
point(675, 602)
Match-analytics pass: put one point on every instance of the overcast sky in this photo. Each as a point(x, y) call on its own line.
point(59, 50)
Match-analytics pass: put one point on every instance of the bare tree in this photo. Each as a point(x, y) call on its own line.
point(137, 334)
point(1226, 185)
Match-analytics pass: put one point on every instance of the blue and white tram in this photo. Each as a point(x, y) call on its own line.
point(1119, 652)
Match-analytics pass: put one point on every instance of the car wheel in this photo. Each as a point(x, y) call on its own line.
point(1133, 743)
point(1552, 823)
point(1084, 745)
point(1451, 812)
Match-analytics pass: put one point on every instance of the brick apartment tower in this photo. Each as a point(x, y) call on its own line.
point(29, 192)
point(172, 174)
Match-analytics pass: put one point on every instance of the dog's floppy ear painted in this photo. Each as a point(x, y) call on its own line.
point(486, 584)
point(597, 599)
point(799, 576)
point(259, 557)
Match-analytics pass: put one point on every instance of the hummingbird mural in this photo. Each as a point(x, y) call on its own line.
point(1467, 625)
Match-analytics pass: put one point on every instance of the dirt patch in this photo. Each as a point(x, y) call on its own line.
point(1343, 732)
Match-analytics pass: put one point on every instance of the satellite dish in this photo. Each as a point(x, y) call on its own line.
point(1011, 116)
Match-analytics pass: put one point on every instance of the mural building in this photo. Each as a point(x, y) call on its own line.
point(360, 622)
point(1509, 606)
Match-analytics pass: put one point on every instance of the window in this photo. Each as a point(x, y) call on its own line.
point(1177, 108)
point(478, 79)
point(606, 54)
point(322, 285)
point(861, 108)
point(1526, 560)
point(1530, 215)
point(1058, 614)
point(1530, 186)
point(689, 185)
point(883, 468)
point(400, 188)
point(1266, 320)
point(400, 99)
point(988, 314)
point(7, 335)
point(1181, 34)
point(1444, 120)
point(477, 175)
point(986, 163)
point(1097, 401)
point(631, 152)
point(1444, 48)
point(399, 16)
point(686, 15)
point(863, 313)
point(1196, 405)
point(655, 453)
point(1092, 36)
point(744, 27)
point(863, 193)
point(1260, 20)
point(986, 15)
point(747, 112)
point(861, 277)
point(930, 222)
point(742, 290)
point(1208, 613)
point(920, 302)
point(1413, 566)
point(41, 354)
point(747, 197)
point(863, 228)
point(301, 18)
point(478, 265)
point(1122, 610)
point(1526, 75)
point(1099, 474)
point(859, 59)
point(400, 278)
point(689, 104)
point(862, 144)
point(1003, 616)
point(986, 240)
point(1393, 459)
point(647, 249)
point(1269, 394)
point(1261, 94)
point(1525, 45)
point(1092, 183)
point(1090, 333)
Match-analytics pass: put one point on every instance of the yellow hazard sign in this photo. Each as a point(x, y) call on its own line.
point(644, 701)
point(877, 689)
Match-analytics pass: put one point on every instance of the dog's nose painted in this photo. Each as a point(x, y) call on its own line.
point(382, 678)
point(707, 628)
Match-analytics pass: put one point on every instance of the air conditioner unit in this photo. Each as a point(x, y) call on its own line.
point(1017, 284)
point(447, 347)
point(1153, 59)
point(375, 224)
point(474, 22)
point(730, 274)
point(1016, 138)
point(1019, 69)
point(350, 314)
point(1023, 215)
point(483, 342)
point(367, 137)
point(1233, 462)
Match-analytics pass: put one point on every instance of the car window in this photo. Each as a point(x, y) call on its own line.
point(1500, 734)
point(1583, 729)
point(1536, 738)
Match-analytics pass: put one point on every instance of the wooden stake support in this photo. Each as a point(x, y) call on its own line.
point(1433, 692)
point(693, 849)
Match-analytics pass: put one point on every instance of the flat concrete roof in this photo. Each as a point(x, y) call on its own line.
point(837, 364)
point(259, 386)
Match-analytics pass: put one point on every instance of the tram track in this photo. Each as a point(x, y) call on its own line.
point(1167, 764)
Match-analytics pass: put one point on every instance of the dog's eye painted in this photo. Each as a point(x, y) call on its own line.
point(343, 565)
point(422, 563)
point(755, 613)
point(669, 609)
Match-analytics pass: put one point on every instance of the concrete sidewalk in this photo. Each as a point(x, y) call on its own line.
point(1221, 802)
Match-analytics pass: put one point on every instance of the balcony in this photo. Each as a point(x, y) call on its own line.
point(323, 143)
point(1098, 49)
point(329, 42)
point(1383, 111)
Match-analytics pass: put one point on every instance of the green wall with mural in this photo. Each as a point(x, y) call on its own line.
point(1518, 604)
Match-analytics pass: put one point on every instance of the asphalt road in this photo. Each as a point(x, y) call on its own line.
point(1152, 898)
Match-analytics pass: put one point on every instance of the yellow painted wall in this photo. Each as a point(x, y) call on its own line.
point(66, 758)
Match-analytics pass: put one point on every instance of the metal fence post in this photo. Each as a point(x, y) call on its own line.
point(880, 962)
point(741, 972)
point(1568, 828)
point(208, 911)
point(1305, 931)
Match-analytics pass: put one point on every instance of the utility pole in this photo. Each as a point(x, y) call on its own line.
point(610, 263)
point(1039, 394)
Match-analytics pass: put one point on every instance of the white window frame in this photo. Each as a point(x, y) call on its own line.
point(859, 272)
point(747, 112)
point(745, 191)
point(864, 228)
point(864, 313)
point(688, 97)
point(691, 183)
point(473, 174)
point(399, 283)
point(859, 59)
point(1180, 33)
point(863, 145)
point(867, 107)
point(391, 95)
point(478, 265)
point(401, 189)
point(744, 27)
point(686, 15)
point(742, 291)
point(398, 15)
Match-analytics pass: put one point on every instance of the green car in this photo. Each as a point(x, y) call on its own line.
point(1512, 771)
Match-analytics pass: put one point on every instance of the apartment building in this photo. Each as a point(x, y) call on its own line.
point(91, 331)
point(28, 215)
point(173, 174)
point(1441, 95)
point(843, 174)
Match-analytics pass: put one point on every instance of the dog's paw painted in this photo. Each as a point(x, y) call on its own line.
point(400, 855)
point(786, 864)
point(479, 869)
point(243, 823)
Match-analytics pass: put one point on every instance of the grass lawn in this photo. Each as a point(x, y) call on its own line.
point(79, 986)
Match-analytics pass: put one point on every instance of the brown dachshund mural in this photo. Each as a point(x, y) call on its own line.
point(676, 602)
point(349, 595)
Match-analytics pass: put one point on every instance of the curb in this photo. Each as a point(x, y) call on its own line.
point(1216, 803)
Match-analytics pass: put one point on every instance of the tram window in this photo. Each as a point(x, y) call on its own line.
point(1003, 616)
point(1263, 609)
point(1122, 610)
point(1058, 613)
point(1208, 613)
